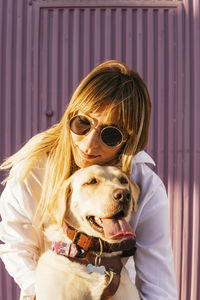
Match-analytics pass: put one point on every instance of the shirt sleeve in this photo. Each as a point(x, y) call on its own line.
point(154, 258)
point(22, 242)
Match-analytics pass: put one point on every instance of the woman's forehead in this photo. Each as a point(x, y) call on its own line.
point(103, 115)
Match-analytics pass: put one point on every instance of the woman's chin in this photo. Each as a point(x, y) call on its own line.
point(83, 163)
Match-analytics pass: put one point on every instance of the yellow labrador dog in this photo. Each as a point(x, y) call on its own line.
point(85, 258)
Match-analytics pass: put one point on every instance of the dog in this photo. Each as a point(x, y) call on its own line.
point(85, 259)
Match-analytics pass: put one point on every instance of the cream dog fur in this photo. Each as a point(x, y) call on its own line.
point(90, 197)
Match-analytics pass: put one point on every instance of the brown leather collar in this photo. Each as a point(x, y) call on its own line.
point(93, 248)
point(90, 243)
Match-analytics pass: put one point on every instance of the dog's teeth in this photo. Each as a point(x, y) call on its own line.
point(98, 221)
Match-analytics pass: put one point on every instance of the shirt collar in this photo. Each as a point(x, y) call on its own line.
point(143, 157)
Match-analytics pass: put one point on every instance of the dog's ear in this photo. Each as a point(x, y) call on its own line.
point(135, 191)
point(67, 188)
point(63, 196)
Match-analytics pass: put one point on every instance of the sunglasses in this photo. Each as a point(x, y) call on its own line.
point(111, 136)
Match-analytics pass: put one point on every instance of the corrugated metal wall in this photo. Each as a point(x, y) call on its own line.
point(46, 47)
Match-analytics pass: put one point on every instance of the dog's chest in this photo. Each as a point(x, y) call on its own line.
point(64, 278)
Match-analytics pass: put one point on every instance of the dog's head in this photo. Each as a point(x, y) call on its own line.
point(99, 201)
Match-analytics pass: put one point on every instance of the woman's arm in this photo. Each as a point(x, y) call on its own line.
point(154, 259)
point(22, 242)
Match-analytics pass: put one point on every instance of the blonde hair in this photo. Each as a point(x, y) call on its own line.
point(112, 84)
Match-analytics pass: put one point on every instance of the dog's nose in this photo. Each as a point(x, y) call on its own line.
point(122, 195)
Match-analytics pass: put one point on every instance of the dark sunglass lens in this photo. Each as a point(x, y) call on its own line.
point(111, 136)
point(80, 125)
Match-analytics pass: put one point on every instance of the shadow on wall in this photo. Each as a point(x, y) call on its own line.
point(10, 289)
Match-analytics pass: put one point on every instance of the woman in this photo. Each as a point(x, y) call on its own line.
point(106, 122)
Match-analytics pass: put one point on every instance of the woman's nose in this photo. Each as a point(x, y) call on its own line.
point(91, 140)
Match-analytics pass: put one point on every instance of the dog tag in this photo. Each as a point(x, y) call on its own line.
point(92, 269)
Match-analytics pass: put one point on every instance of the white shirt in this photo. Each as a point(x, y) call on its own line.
point(153, 258)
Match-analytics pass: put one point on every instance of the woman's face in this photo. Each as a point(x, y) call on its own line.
point(89, 149)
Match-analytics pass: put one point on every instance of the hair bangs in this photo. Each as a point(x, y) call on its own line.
point(96, 93)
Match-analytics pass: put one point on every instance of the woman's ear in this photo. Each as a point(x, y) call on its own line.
point(135, 191)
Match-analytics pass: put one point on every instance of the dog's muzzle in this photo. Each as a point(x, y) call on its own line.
point(121, 195)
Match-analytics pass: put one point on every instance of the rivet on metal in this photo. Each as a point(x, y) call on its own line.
point(49, 113)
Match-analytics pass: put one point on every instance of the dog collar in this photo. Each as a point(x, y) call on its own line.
point(90, 243)
point(67, 249)
point(88, 251)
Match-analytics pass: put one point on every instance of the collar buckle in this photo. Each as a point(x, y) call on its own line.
point(76, 237)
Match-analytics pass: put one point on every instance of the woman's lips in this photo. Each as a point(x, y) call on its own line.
point(87, 156)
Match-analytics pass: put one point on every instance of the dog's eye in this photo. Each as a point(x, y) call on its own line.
point(92, 181)
point(123, 180)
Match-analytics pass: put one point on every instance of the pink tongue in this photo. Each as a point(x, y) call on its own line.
point(117, 229)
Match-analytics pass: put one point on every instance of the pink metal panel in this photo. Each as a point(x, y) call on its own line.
point(47, 47)
point(195, 27)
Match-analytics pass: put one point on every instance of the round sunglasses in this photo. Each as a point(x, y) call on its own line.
point(111, 136)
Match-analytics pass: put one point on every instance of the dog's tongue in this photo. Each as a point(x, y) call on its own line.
point(117, 228)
